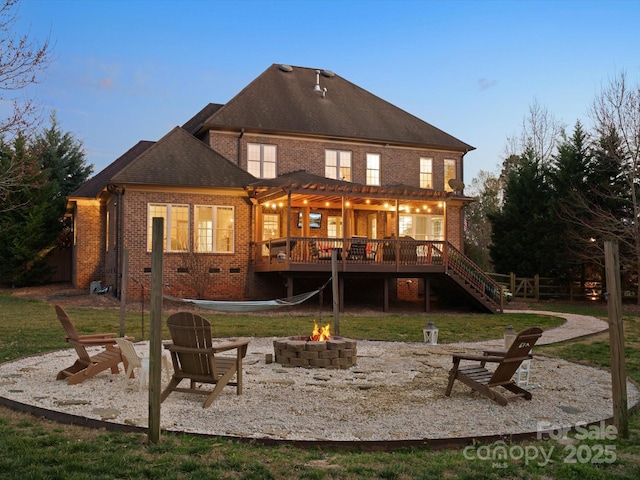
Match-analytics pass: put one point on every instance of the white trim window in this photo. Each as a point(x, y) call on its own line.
point(176, 226)
point(270, 226)
point(373, 169)
point(270, 229)
point(261, 160)
point(334, 227)
point(449, 173)
point(214, 232)
point(337, 164)
point(426, 172)
point(422, 226)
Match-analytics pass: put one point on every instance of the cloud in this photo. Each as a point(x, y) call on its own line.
point(486, 83)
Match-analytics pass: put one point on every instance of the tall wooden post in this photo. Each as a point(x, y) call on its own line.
point(616, 339)
point(123, 289)
point(335, 291)
point(155, 346)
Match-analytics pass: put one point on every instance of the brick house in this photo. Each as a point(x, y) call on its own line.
point(299, 173)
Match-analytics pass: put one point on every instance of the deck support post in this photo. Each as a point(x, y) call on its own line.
point(385, 295)
point(289, 287)
point(427, 295)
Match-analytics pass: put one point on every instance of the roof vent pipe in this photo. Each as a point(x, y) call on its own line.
point(317, 87)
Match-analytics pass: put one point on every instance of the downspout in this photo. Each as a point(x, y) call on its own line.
point(344, 233)
point(288, 245)
point(120, 238)
point(118, 191)
point(240, 146)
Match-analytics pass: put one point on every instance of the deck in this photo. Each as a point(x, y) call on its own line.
point(386, 258)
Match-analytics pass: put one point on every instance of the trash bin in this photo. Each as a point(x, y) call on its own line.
point(95, 287)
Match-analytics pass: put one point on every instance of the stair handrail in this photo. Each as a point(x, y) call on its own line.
point(483, 283)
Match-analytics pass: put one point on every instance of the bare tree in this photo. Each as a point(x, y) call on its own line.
point(22, 62)
point(477, 235)
point(616, 117)
point(540, 133)
point(196, 269)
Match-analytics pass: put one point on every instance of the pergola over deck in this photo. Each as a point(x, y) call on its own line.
point(369, 243)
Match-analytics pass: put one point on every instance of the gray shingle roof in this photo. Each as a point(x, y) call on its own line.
point(180, 159)
point(280, 101)
point(92, 187)
point(194, 123)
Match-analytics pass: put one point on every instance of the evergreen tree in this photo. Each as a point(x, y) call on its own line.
point(34, 226)
point(63, 156)
point(524, 233)
point(569, 178)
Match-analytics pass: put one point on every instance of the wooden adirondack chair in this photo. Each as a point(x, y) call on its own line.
point(196, 359)
point(486, 382)
point(87, 366)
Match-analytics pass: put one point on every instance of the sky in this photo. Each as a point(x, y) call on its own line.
point(126, 71)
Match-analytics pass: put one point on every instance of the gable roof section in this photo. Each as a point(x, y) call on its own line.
point(92, 187)
point(180, 159)
point(194, 123)
point(283, 100)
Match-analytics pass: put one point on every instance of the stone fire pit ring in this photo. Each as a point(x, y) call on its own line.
point(337, 353)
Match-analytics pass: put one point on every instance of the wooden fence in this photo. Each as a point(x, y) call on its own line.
point(540, 288)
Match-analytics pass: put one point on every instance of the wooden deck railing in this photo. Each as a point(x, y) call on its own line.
point(310, 250)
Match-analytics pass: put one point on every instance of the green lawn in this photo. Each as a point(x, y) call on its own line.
point(33, 448)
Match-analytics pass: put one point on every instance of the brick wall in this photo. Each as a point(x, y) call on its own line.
point(397, 164)
point(88, 244)
point(454, 226)
point(223, 276)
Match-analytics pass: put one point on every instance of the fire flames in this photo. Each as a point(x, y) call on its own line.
point(320, 334)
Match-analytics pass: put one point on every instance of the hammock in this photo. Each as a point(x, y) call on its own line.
point(250, 305)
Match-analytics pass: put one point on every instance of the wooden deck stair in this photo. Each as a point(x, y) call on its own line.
point(480, 286)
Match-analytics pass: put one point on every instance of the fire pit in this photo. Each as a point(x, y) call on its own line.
point(320, 350)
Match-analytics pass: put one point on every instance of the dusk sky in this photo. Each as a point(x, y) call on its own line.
point(132, 70)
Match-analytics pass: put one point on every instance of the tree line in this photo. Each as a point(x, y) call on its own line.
point(560, 195)
point(32, 221)
point(39, 166)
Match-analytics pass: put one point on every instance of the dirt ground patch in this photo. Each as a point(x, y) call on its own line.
point(66, 295)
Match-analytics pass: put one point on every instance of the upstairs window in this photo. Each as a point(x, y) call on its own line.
point(426, 173)
point(449, 174)
point(176, 226)
point(373, 169)
point(261, 160)
point(337, 164)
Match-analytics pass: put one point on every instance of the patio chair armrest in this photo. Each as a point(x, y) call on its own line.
point(479, 358)
point(97, 335)
point(495, 353)
point(93, 340)
point(178, 349)
point(231, 346)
